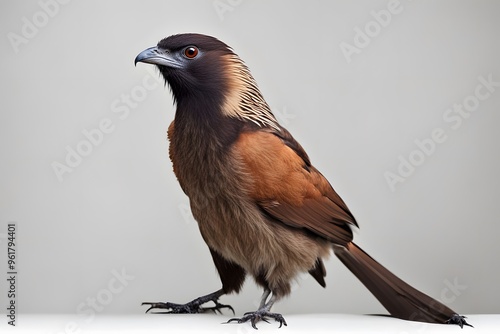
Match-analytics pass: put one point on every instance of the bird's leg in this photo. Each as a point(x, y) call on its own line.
point(263, 313)
point(265, 295)
point(193, 306)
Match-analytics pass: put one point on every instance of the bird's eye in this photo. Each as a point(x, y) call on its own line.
point(191, 52)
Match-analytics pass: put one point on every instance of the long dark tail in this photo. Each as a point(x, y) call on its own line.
point(400, 299)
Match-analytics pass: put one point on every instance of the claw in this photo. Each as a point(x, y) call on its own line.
point(217, 308)
point(193, 306)
point(254, 322)
point(457, 319)
point(257, 316)
point(153, 305)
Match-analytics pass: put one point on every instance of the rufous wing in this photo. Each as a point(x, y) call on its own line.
point(289, 189)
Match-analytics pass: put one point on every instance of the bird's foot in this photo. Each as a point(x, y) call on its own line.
point(457, 319)
point(192, 307)
point(258, 315)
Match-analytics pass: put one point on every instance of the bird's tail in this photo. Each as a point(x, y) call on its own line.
point(400, 299)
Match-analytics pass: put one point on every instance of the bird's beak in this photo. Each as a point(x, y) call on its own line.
point(157, 56)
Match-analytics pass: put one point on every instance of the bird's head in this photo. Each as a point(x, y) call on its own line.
point(202, 70)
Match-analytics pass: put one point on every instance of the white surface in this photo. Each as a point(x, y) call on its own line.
point(122, 207)
point(205, 323)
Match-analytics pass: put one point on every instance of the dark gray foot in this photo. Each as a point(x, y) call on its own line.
point(191, 307)
point(255, 317)
point(457, 319)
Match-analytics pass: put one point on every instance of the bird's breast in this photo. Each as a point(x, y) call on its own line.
point(218, 184)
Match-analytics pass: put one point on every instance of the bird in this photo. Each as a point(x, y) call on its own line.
point(261, 207)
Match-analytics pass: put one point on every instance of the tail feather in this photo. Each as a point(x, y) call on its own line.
point(400, 299)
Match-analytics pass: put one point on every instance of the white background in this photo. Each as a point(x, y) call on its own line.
point(121, 209)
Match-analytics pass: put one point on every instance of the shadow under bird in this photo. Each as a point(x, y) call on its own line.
point(262, 208)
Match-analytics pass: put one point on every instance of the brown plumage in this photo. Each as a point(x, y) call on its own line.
point(261, 207)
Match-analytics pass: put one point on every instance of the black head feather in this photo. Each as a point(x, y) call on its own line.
point(198, 77)
point(205, 75)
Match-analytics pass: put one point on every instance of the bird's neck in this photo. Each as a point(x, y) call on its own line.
point(203, 125)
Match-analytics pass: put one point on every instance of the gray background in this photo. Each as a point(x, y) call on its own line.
point(121, 208)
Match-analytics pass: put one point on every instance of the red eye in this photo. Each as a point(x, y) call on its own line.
point(191, 52)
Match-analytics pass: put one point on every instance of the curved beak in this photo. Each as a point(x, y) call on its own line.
point(157, 56)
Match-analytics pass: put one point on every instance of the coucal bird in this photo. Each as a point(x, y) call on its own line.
point(261, 206)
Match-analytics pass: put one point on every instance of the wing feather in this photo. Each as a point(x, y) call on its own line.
point(288, 188)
